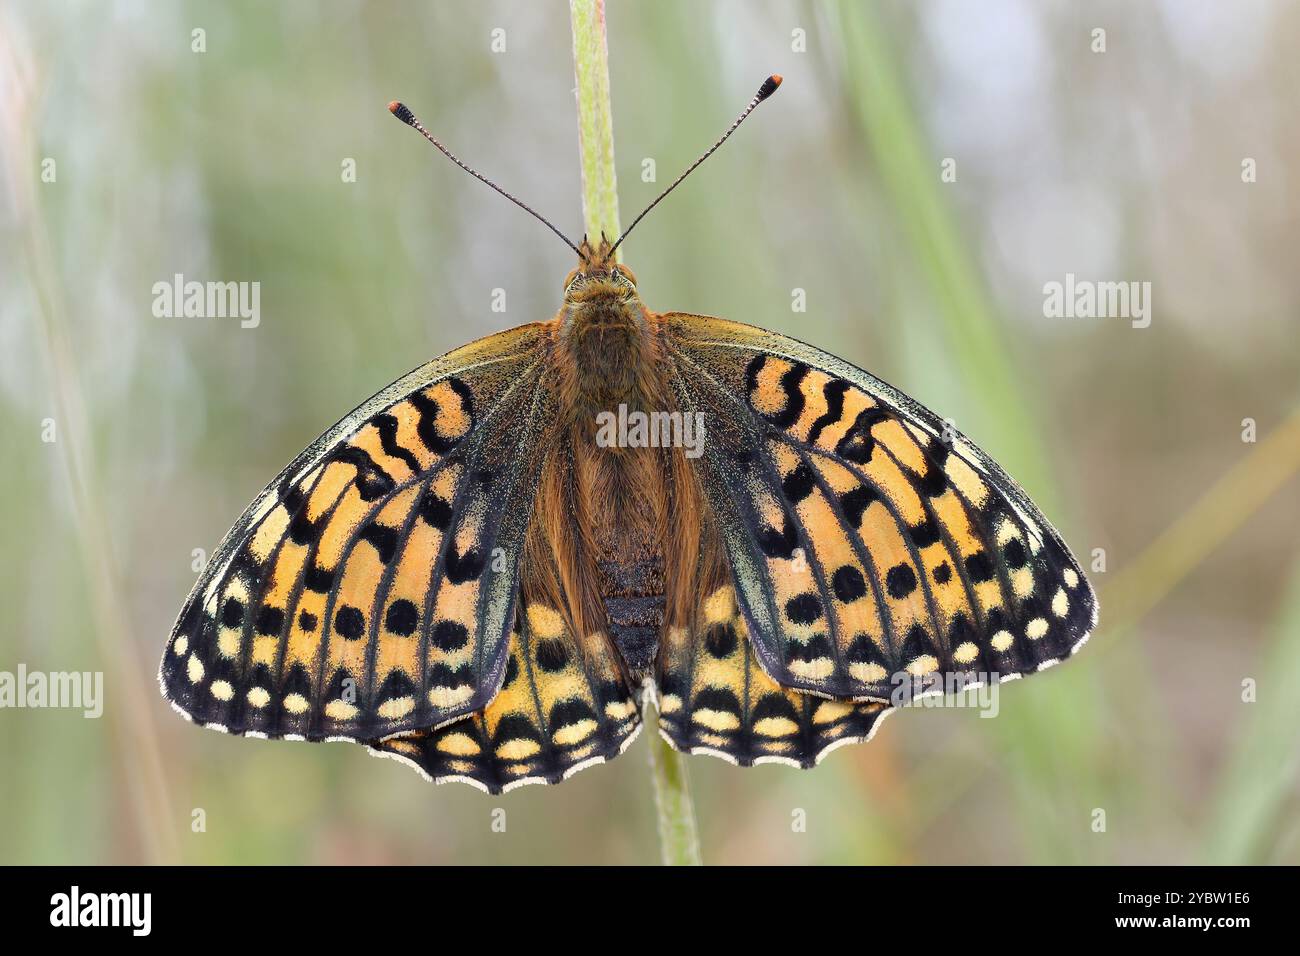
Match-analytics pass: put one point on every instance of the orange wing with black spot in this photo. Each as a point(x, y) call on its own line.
point(867, 540)
point(370, 589)
point(562, 708)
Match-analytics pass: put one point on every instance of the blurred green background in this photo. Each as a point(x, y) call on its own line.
point(228, 165)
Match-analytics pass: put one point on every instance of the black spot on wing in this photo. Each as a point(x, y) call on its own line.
point(463, 567)
point(318, 579)
point(779, 544)
point(863, 650)
point(515, 727)
point(450, 635)
point(402, 617)
point(512, 671)
point(383, 538)
point(979, 567)
point(568, 712)
point(232, 612)
point(925, 533)
point(815, 648)
point(552, 655)
point(443, 675)
point(803, 608)
point(900, 580)
point(848, 583)
point(269, 620)
point(798, 484)
point(855, 502)
point(292, 496)
point(395, 685)
point(349, 622)
point(775, 705)
point(297, 682)
point(302, 530)
point(720, 640)
point(435, 510)
point(934, 482)
point(717, 698)
point(916, 643)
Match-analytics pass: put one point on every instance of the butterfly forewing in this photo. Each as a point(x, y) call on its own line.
point(370, 588)
point(867, 541)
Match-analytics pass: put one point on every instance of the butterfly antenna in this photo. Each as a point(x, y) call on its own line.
point(407, 117)
point(767, 89)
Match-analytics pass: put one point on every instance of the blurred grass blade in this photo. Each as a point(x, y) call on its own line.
point(1225, 507)
point(137, 758)
point(910, 174)
point(1261, 773)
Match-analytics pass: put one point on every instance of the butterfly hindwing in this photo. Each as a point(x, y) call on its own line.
point(867, 539)
point(370, 588)
point(561, 708)
point(715, 699)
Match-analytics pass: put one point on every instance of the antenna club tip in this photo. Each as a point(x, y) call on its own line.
point(769, 86)
point(401, 112)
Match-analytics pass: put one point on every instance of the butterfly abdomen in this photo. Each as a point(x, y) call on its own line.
point(633, 595)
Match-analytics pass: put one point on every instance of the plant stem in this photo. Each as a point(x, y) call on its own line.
point(678, 838)
point(595, 119)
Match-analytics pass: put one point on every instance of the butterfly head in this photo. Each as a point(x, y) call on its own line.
point(598, 275)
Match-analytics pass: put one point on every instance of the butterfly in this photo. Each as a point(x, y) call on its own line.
point(485, 569)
